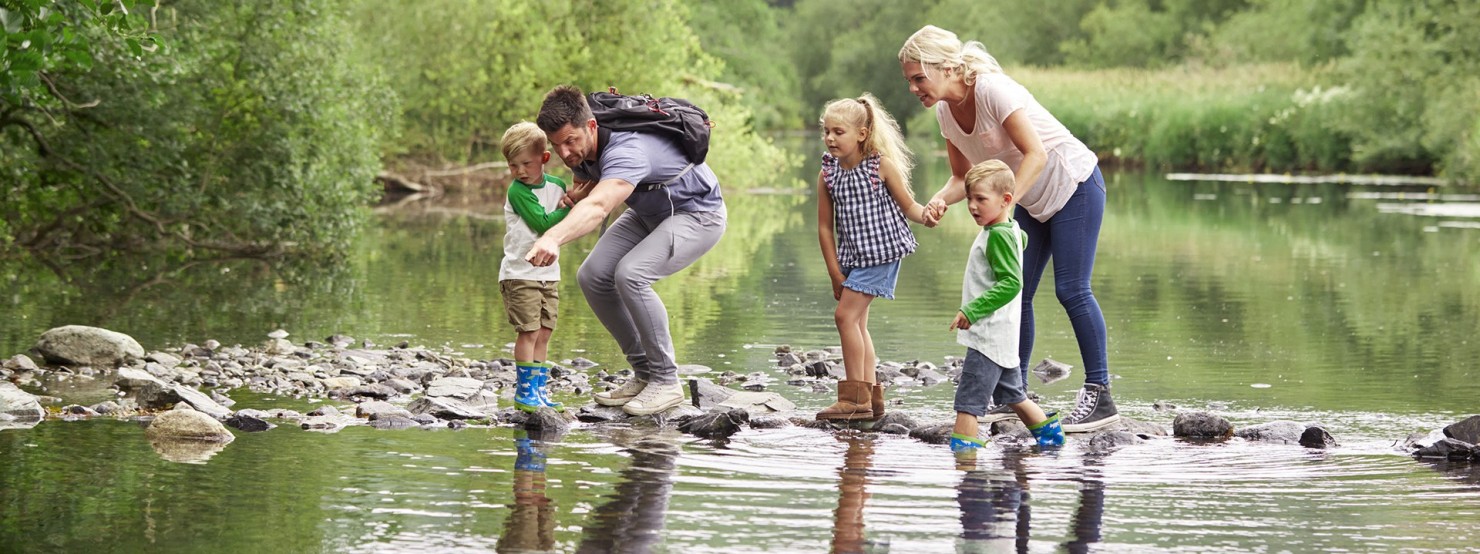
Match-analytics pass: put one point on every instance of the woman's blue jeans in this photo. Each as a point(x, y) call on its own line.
point(1069, 238)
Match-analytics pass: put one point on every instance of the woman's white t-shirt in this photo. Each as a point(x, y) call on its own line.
point(1069, 163)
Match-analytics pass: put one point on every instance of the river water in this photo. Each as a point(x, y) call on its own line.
point(1350, 306)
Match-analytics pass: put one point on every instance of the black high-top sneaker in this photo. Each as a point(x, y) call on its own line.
point(1094, 409)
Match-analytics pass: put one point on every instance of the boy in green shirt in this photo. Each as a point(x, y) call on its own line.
point(988, 322)
point(530, 293)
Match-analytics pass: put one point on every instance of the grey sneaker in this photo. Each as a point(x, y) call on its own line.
point(654, 398)
point(998, 412)
point(620, 395)
point(1094, 409)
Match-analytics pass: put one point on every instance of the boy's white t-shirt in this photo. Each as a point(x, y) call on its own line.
point(1069, 162)
point(519, 238)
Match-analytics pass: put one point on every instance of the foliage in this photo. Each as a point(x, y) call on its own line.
point(247, 139)
point(467, 70)
point(1016, 32)
point(747, 36)
point(845, 48)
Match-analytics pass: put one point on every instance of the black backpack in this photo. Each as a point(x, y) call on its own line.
point(681, 121)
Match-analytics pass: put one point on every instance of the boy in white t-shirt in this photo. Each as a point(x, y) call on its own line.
point(530, 293)
point(991, 313)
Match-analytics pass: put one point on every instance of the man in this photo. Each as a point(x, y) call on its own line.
point(675, 214)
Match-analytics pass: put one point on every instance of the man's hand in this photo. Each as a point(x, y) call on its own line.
point(960, 322)
point(544, 252)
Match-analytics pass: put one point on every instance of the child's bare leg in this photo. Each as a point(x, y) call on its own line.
point(966, 425)
point(1029, 412)
point(852, 320)
point(524, 346)
point(541, 350)
point(870, 361)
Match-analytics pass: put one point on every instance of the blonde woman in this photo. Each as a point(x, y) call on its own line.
point(985, 115)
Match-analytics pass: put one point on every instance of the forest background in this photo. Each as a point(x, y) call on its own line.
point(196, 129)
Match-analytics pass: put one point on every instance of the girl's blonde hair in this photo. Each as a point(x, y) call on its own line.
point(939, 49)
point(882, 134)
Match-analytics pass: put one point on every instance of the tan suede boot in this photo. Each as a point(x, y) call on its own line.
point(877, 399)
point(853, 403)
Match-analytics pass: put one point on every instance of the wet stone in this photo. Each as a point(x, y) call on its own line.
point(1446, 449)
point(248, 423)
point(1201, 425)
point(1284, 432)
point(769, 422)
point(1112, 440)
point(393, 422)
point(716, 425)
point(1467, 430)
point(936, 433)
point(1316, 436)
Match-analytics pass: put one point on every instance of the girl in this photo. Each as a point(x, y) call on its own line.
point(863, 200)
point(984, 115)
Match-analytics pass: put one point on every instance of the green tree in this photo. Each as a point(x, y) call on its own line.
point(747, 36)
point(248, 139)
point(1016, 32)
point(845, 48)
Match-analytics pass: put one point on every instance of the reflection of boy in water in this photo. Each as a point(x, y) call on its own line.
point(996, 512)
point(531, 526)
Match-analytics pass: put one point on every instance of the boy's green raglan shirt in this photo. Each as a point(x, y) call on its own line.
point(524, 202)
point(1004, 258)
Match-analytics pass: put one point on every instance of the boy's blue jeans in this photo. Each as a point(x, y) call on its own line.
point(1069, 238)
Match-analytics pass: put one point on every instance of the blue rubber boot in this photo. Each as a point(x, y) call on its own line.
point(1049, 432)
point(962, 444)
point(529, 457)
point(542, 389)
point(526, 392)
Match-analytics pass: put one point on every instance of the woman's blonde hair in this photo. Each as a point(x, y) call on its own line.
point(882, 134)
point(939, 49)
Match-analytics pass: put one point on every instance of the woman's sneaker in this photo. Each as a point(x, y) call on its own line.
point(1094, 409)
point(620, 395)
point(998, 412)
point(654, 398)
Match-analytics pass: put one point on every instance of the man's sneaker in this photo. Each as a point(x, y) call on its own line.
point(620, 395)
point(999, 412)
point(654, 398)
point(1094, 409)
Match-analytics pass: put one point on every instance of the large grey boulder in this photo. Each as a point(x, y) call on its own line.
point(1283, 432)
point(20, 405)
point(444, 408)
point(757, 403)
point(716, 425)
point(454, 387)
point(186, 424)
point(90, 346)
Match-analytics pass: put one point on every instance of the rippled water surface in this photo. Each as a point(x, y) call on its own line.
point(1260, 302)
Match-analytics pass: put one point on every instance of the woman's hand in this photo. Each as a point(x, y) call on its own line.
point(936, 208)
point(960, 322)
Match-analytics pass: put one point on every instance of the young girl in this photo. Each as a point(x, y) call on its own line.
point(863, 200)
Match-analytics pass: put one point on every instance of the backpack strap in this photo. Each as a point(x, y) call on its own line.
point(645, 187)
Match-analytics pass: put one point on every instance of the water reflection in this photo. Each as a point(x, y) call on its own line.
point(632, 520)
point(530, 527)
point(996, 508)
point(853, 480)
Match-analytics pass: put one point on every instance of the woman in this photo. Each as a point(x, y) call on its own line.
point(984, 115)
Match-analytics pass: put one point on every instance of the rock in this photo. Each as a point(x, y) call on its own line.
point(403, 386)
point(936, 433)
point(90, 346)
point(378, 408)
point(705, 395)
point(717, 424)
point(1111, 440)
point(582, 363)
point(165, 359)
point(106, 407)
point(757, 403)
point(1467, 430)
point(19, 404)
point(186, 424)
point(334, 383)
point(444, 408)
point(1201, 425)
point(897, 418)
point(248, 423)
point(325, 410)
point(693, 369)
point(1050, 370)
point(278, 334)
point(1283, 432)
point(19, 362)
point(546, 424)
point(138, 381)
point(326, 423)
point(454, 387)
point(929, 377)
point(339, 341)
point(1447, 449)
point(892, 429)
point(1163, 406)
point(186, 451)
point(787, 359)
point(1316, 437)
point(278, 347)
point(393, 422)
point(76, 410)
point(596, 413)
point(771, 422)
point(817, 369)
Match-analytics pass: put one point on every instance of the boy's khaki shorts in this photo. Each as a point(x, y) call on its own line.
point(530, 304)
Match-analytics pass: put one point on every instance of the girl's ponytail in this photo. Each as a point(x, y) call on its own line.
point(885, 137)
